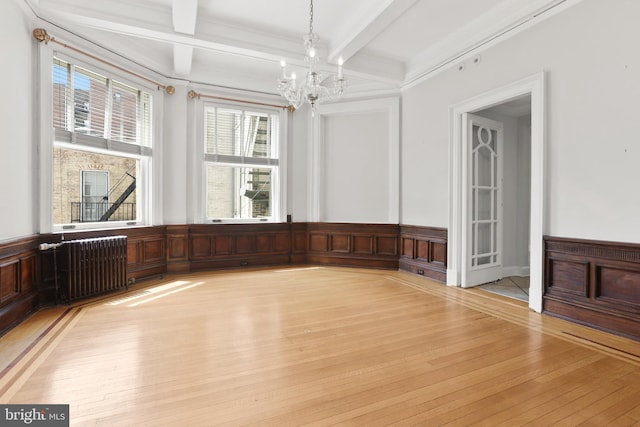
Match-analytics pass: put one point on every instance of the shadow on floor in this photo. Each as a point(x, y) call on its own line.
point(513, 287)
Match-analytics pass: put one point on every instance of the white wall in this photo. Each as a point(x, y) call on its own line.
point(589, 52)
point(353, 162)
point(356, 170)
point(298, 164)
point(174, 148)
point(18, 171)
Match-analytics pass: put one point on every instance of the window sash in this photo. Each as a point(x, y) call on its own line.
point(240, 142)
point(119, 123)
point(87, 103)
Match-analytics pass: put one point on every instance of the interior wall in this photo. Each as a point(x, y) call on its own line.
point(591, 153)
point(175, 146)
point(18, 171)
point(356, 169)
point(298, 164)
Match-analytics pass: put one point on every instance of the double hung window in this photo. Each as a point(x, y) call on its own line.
point(241, 164)
point(101, 149)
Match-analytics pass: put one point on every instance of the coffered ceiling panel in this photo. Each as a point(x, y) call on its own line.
point(385, 43)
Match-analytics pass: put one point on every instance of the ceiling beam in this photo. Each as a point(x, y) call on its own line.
point(217, 36)
point(182, 59)
point(184, 15)
point(372, 24)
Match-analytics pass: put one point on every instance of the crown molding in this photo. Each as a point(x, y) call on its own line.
point(494, 26)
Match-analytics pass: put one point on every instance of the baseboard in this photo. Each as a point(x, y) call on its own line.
point(522, 271)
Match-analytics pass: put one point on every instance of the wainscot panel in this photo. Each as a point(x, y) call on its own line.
point(424, 251)
point(239, 245)
point(353, 245)
point(178, 248)
point(594, 283)
point(19, 275)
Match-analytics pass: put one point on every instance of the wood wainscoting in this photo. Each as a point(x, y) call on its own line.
point(353, 245)
point(19, 277)
point(218, 246)
point(27, 275)
point(594, 283)
point(424, 251)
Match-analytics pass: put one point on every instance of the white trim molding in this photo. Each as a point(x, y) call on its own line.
point(391, 108)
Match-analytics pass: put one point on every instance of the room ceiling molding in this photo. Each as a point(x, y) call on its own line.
point(183, 37)
point(498, 24)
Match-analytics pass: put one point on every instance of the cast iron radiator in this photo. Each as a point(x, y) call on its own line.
point(94, 266)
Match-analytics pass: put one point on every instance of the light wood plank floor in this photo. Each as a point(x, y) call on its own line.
point(317, 346)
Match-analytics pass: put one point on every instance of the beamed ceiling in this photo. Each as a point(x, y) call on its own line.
point(386, 44)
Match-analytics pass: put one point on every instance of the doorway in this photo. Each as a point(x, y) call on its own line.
point(512, 202)
point(515, 200)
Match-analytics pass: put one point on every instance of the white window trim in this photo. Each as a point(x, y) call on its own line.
point(149, 193)
point(196, 192)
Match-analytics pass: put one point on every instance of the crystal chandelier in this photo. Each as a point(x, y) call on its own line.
point(313, 87)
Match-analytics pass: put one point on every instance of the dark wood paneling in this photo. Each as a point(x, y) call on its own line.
point(424, 251)
point(200, 246)
point(356, 245)
point(154, 250)
point(151, 251)
point(222, 245)
point(177, 248)
point(340, 243)
point(594, 283)
point(363, 244)
point(566, 276)
point(239, 245)
point(299, 242)
point(318, 242)
point(618, 284)
point(9, 280)
point(19, 276)
point(28, 272)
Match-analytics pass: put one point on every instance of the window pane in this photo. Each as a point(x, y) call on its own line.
point(239, 133)
point(90, 97)
point(124, 113)
point(61, 94)
point(91, 187)
point(228, 133)
point(238, 192)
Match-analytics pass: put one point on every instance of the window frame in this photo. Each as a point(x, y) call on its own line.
point(198, 166)
point(149, 159)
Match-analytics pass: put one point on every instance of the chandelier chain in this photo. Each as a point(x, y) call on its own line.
point(311, 18)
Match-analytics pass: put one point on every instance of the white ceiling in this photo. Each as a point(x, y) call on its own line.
point(385, 43)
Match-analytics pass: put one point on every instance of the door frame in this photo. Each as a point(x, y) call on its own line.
point(535, 87)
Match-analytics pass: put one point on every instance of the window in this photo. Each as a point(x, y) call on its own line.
point(101, 149)
point(241, 156)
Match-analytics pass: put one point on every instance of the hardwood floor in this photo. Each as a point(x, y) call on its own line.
point(317, 346)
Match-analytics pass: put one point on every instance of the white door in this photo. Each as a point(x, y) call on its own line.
point(482, 200)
